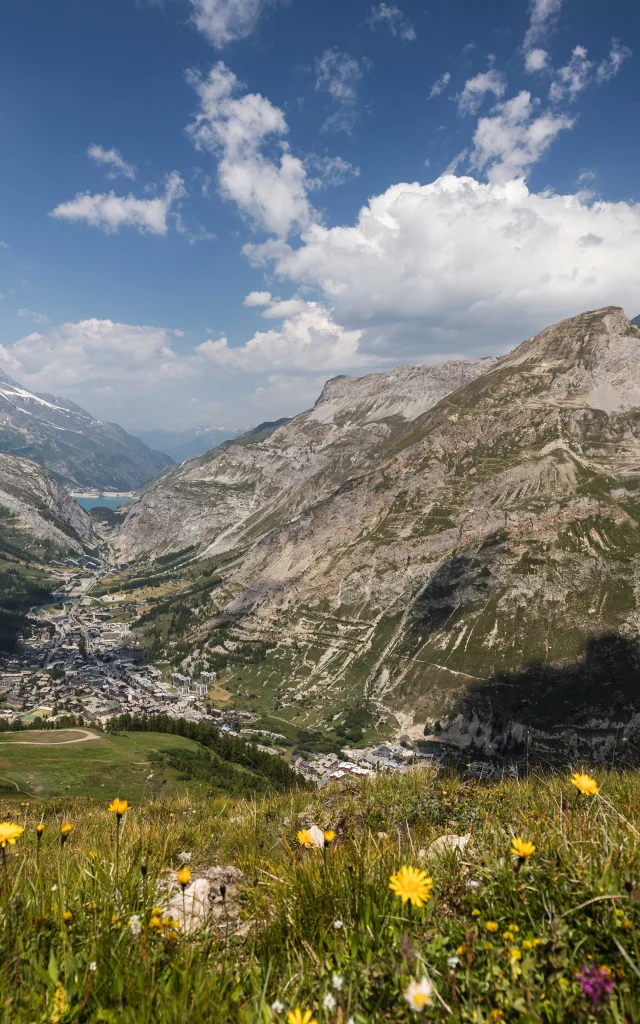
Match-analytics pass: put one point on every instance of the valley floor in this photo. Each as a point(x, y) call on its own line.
point(266, 927)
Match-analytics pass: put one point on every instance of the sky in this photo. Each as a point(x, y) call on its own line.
point(210, 207)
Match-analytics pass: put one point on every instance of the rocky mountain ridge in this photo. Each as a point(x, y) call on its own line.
point(241, 489)
point(70, 443)
point(37, 513)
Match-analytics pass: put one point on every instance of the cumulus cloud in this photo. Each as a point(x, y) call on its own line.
point(391, 16)
point(110, 212)
point(476, 88)
point(462, 265)
point(536, 60)
point(271, 193)
point(339, 75)
point(543, 15)
point(95, 353)
point(222, 21)
point(257, 299)
point(309, 339)
point(112, 160)
point(439, 85)
point(508, 143)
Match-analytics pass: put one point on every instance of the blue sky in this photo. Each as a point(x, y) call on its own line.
point(208, 207)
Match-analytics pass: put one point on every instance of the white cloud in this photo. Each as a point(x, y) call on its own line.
point(112, 159)
point(536, 60)
point(97, 352)
point(476, 88)
point(110, 212)
point(309, 339)
point(257, 299)
point(512, 139)
point(287, 393)
point(222, 21)
point(272, 193)
point(462, 265)
point(4, 245)
point(439, 85)
point(339, 75)
point(392, 16)
point(570, 80)
point(609, 68)
point(542, 17)
point(39, 318)
point(330, 171)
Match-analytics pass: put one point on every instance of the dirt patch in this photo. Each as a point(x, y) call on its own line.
point(51, 738)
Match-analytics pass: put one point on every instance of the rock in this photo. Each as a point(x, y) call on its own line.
point(448, 843)
point(210, 901)
point(318, 837)
point(192, 910)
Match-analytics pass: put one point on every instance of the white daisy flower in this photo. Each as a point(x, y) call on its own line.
point(418, 994)
point(329, 1001)
point(338, 924)
point(277, 1006)
point(336, 981)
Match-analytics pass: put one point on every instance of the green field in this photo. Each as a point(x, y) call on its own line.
point(98, 768)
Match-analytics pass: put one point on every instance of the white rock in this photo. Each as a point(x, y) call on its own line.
point(193, 913)
point(448, 844)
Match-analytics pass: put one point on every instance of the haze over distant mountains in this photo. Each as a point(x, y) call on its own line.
point(182, 444)
point(76, 448)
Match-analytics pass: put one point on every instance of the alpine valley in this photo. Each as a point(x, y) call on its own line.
point(446, 551)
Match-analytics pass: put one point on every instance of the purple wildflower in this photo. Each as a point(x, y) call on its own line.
point(596, 983)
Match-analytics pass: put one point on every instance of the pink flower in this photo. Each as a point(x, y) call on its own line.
point(596, 983)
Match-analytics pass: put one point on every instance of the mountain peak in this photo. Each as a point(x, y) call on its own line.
point(591, 359)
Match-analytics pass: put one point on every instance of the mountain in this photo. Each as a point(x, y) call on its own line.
point(273, 472)
point(182, 444)
point(38, 516)
point(477, 570)
point(76, 448)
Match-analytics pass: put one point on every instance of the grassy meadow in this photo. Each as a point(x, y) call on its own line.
point(551, 936)
point(46, 764)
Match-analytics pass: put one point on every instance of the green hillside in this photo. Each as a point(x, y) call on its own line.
point(53, 763)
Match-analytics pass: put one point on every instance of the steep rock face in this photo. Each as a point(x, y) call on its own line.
point(70, 443)
point(498, 530)
point(240, 490)
point(35, 508)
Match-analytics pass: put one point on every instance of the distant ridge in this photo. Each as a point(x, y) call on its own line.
point(76, 448)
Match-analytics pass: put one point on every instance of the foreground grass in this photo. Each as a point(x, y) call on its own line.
point(498, 940)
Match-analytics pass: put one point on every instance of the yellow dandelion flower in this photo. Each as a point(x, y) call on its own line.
point(65, 831)
point(412, 885)
point(119, 807)
point(329, 835)
point(305, 838)
point(170, 938)
point(67, 917)
point(507, 936)
point(59, 1003)
point(497, 1015)
point(475, 912)
point(419, 994)
point(585, 784)
point(492, 926)
point(461, 950)
point(522, 848)
point(39, 830)
point(515, 953)
point(184, 877)
point(627, 924)
point(538, 942)
point(298, 1017)
point(9, 833)
point(154, 922)
point(488, 946)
